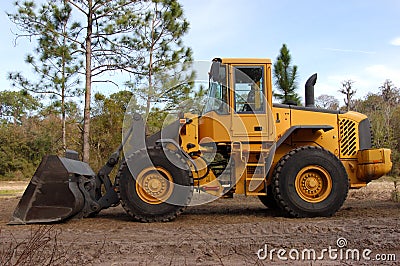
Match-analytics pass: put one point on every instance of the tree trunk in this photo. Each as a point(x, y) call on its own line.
point(63, 127)
point(150, 75)
point(88, 86)
point(149, 96)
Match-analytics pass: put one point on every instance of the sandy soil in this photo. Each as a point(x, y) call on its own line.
point(224, 232)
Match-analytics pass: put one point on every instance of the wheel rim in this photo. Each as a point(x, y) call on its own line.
point(154, 185)
point(313, 184)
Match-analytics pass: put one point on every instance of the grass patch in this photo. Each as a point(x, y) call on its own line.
point(14, 178)
point(8, 192)
point(396, 191)
point(395, 195)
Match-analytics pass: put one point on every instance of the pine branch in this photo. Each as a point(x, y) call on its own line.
point(106, 81)
point(78, 7)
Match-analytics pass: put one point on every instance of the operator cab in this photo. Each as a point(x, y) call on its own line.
point(239, 96)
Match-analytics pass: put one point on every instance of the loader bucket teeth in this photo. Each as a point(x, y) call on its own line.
point(54, 193)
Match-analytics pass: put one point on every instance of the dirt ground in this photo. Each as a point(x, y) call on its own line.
point(224, 232)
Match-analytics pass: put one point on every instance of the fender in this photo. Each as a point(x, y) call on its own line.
point(292, 129)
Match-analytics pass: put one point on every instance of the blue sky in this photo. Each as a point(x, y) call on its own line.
point(340, 40)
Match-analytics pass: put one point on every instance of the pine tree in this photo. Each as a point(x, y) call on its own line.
point(108, 44)
point(164, 56)
point(103, 33)
point(54, 60)
point(285, 77)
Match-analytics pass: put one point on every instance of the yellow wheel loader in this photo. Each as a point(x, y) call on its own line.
point(302, 160)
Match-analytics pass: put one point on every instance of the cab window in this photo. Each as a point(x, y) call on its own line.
point(249, 89)
point(218, 94)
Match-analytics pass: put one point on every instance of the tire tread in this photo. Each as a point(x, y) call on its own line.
point(276, 184)
point(141, 218)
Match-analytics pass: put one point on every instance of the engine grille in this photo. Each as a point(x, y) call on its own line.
point(348, 137)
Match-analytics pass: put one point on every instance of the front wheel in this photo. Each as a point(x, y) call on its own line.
point(310, 181)
point(154, 185)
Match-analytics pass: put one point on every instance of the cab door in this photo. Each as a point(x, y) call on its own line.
point(249, 116)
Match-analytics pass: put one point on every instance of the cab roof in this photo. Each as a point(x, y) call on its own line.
point(246, 61)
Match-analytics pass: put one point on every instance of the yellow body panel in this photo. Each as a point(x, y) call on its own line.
point(373, 164)
point(189, 133)
point(215, 126)
point(328, 140)
point(342, 140)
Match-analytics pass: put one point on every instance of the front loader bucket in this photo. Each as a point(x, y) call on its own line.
point(56, 191)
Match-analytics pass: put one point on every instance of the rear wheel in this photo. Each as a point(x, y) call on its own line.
point(154, 186)
point(310, 181)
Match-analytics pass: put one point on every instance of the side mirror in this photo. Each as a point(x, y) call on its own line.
point(214, 71)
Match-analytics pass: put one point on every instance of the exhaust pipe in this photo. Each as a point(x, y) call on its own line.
point(310, 90)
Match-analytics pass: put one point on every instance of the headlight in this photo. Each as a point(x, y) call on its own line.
point(365, 134)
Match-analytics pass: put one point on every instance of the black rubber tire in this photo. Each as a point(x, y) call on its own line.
point(286, 196)
point(269, 200)
point(142, 211)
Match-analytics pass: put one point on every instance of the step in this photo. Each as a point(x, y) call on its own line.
point(256, 164)
point(255, 179)
point(256, 194)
